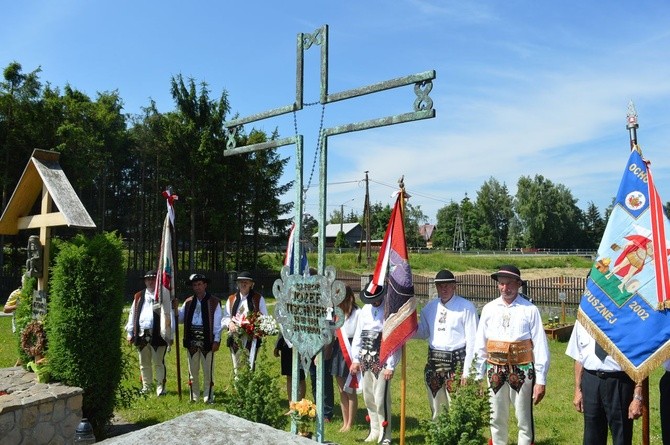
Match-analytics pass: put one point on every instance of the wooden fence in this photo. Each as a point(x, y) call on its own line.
point(479, 289)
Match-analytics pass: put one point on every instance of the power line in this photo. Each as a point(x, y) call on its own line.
point(411, 192)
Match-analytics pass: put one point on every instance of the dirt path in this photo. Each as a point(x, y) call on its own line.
point(531, 274)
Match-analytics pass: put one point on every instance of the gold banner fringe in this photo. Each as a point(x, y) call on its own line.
point(637, 374)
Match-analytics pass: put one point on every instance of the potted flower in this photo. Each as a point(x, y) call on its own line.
point(303, 413)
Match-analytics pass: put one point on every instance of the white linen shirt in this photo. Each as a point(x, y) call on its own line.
point(371, 319)
point(520, 320)
point(146, 320)
point(350, 323)
point(450, 326)
point(582, 348)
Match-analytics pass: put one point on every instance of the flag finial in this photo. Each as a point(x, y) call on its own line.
point(631, 124)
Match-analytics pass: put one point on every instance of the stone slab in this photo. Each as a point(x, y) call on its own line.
point(208, 427)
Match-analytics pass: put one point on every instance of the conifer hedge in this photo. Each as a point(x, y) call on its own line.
point(83, 322)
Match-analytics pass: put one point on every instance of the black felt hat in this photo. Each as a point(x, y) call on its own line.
point(369, 298)
point(197, 277)
point(508, 271)
point(244, 276)
point(445, 276)
point(150, 274)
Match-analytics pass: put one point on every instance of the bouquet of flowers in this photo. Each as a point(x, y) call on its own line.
point(257, 325)
point(303, 413)
point(266, 325)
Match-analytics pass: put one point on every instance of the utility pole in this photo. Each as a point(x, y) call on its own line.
point(459, 236)
point(366, 222)
point(342, 215)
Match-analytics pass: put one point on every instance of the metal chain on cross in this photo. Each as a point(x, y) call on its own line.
point(318, 145)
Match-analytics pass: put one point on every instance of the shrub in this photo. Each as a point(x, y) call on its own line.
point(24, 315)
point(341, 240)
point(83, 319)
point(469, 412)
point(255, 394)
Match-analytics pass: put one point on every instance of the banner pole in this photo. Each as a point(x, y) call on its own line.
point(403, 360)
point(403, 392)
point(632, 126)
point(176, 312)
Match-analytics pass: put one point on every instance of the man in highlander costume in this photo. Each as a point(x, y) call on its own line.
point(201, 315)
point(511, 349)
point(376, 376)
point(449, 322)
point(239, 305)
point(144, 331)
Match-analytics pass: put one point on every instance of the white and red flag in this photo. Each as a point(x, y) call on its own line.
point(165, 289)
point(394, 276)
point(289, 258)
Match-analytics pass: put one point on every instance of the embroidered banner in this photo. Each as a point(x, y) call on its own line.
point(625, 302)
point(165, 289)
point(400, 321)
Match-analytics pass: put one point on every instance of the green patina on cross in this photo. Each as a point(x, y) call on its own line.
point(422, 108)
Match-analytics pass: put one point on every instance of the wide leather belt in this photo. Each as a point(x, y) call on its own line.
point(446, 356)
point(144, 338)
point(370, 340)
point(197, 337)
point(445, 361)
point(509, 353)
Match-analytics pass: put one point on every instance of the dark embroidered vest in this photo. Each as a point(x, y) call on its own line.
point(208, 306)
point(156, 339)
point(253, 304)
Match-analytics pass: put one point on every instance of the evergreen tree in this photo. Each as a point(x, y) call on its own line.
point(594, 226)
point(85, 309)
point(196, 140)
point(19, 123)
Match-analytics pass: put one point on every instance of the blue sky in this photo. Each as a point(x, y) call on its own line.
point(522, 87)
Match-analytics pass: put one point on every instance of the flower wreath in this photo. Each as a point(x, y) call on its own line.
point(33, 339)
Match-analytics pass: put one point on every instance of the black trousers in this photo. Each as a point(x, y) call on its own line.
point(664, 390)
point(606, 399)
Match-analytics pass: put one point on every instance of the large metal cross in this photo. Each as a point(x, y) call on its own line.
point(422, 108)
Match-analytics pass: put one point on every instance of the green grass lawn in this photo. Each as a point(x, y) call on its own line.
point(556, 420)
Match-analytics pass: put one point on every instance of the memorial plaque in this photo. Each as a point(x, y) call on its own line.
point(306, 308)
point(39, 304)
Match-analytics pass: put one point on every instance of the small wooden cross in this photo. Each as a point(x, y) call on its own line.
point(43, 177)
